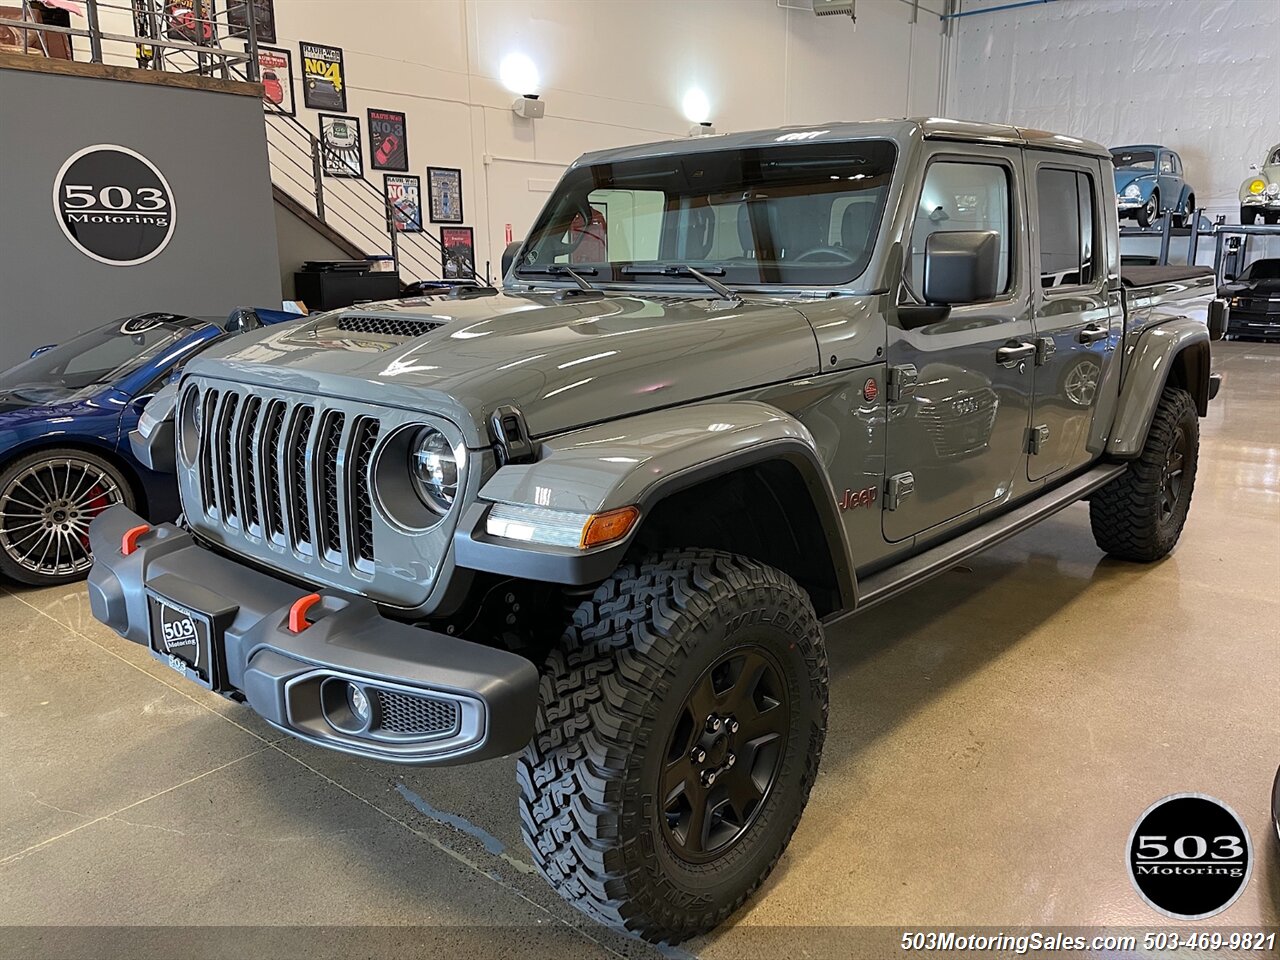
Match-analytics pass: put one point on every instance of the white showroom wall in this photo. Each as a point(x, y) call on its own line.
point(1200, 76)
point(611, 72)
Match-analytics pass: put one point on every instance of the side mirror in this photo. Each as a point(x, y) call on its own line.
point(39, 350)
point(242, 319)
point(961, 266)
point(1254, 167)
point(509, 255)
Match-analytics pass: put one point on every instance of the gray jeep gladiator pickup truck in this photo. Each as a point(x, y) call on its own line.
point(734, 389)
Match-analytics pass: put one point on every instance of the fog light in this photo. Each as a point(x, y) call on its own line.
point(358, 702)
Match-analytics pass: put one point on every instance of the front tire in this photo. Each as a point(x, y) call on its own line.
point(680, 728)
point(47, 499)
point(1149, 212)
point(1139, 515)
point(1248, 215)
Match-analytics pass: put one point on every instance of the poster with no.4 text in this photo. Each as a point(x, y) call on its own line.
point(324, 78)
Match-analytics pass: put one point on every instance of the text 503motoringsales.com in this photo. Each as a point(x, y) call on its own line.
point(943, 940)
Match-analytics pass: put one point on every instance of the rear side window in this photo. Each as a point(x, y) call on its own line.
point(962, 196)
point(1066, 226)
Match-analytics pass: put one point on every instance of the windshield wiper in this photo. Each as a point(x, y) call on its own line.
point(684, 270)
point(560, 270)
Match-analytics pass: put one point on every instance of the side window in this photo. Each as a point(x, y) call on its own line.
point(1166, 163)
point(1065, 218)
point(959, 195)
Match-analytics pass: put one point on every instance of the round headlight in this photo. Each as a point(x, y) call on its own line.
point(1133, 190)
point(1273, 190)
point(1257, 186)
point(190, 421)
point(434, 468)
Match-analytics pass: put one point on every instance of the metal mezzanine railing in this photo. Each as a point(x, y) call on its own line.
point(190, 42)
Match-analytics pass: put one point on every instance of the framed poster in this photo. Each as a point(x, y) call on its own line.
point(444, 191)
point(190, 21)
point(340, 146)
point(404, 197)
point(264, 19)
point(388, 143)
point(275, 72)
point(459, 246)
point(324, 78)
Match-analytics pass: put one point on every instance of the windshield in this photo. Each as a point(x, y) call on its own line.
point(1134, 159)
point(99, 357)
point(799, 213)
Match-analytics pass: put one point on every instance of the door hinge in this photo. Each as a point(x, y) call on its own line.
point(510, 436)
point(901, 382)
point(1037, 439)
point(1046, 347)
point(898, 488)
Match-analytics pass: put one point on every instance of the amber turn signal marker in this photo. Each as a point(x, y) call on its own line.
point(607, 527)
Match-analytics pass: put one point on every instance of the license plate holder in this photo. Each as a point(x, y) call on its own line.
point(185, 640)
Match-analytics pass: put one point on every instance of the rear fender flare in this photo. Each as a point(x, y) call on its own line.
point(1180, 344)
point(640, 461)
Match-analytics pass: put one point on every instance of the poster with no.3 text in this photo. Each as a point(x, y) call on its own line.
point(388, 142)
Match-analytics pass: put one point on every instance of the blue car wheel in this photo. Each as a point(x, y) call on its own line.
point(47, 499)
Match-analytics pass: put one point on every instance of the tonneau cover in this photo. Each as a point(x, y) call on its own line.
point(1147, 276)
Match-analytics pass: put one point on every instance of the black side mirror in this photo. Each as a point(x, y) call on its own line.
point(961, 266)
point(241, 320)
point(1217, 319)
point(509, 255)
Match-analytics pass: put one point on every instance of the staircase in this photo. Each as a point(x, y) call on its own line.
point(353, 209)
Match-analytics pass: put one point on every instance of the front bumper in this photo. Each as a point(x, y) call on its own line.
point(437, 699)
point(1130, 203)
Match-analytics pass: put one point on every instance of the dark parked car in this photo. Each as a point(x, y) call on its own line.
point(1254, 300)
point(65, 417)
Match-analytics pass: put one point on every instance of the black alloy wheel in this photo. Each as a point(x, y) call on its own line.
point(724, 754)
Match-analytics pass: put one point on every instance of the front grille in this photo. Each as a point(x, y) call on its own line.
point(387, 326)
point(285, 472)
point(960, 426)
point(366, 436)
point(330, 526)
point(408, 715)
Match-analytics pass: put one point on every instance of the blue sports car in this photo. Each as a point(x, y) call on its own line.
point(1149, 183)
point(65, 417)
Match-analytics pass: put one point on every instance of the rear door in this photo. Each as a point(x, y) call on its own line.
point(1077, 319)
point(961, 389)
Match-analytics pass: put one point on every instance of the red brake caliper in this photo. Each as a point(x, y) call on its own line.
point(96, 503)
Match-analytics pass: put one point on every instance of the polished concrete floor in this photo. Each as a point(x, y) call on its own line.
point(994, 737)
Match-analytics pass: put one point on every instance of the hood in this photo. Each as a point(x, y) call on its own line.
point(565, 360)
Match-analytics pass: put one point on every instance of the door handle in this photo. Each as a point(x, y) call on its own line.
point(1012, 353)
point(1092, 334)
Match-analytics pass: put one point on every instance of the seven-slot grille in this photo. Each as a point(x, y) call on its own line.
point(256, 475)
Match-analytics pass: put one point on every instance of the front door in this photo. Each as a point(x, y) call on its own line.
point(960, 389)
point(1077, 319)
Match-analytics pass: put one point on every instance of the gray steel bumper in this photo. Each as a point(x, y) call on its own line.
point(487, 697)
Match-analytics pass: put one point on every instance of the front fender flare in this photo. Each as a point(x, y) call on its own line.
point(1147, 370)
point(639, 461)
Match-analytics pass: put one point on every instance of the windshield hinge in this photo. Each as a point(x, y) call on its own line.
point(511, 436)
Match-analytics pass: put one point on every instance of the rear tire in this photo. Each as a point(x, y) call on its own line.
point(612, 783)
point(1139, 515)
point(47, 499)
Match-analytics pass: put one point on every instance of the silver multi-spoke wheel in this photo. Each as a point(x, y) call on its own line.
point(46, 504)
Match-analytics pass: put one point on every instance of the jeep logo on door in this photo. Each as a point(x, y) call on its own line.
point(114, 205)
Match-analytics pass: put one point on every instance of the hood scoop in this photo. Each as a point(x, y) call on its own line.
point(402, 327)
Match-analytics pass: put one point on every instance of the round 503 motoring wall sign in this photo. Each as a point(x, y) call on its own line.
point(114, 205)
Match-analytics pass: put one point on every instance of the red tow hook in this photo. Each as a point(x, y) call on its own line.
point(129, 542)
point(298, 612)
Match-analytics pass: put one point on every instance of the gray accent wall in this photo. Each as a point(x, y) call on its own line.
point(210, 146)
